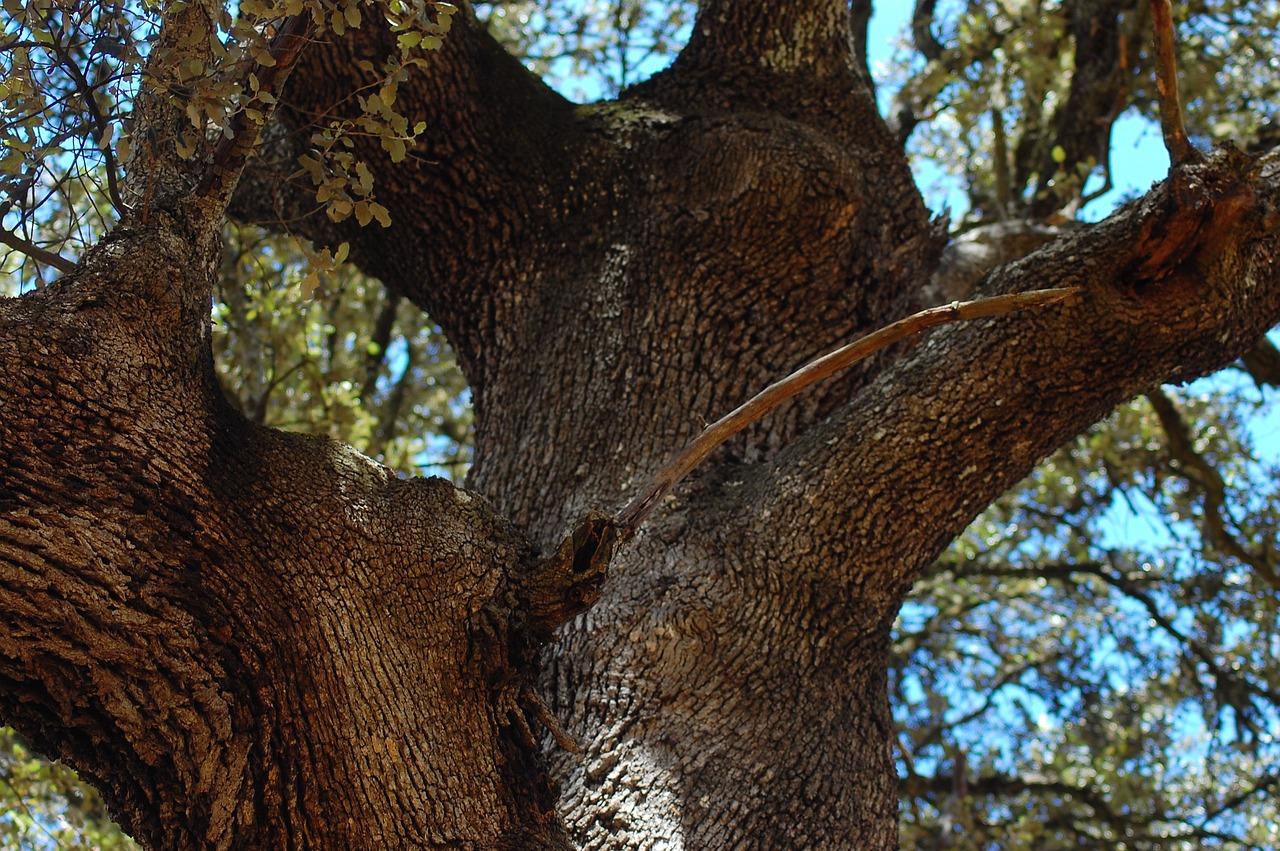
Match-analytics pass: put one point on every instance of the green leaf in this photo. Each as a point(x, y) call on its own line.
point(365, 178)
point(394, 146)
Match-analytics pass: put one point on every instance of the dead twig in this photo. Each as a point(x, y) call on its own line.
point(1181, 151)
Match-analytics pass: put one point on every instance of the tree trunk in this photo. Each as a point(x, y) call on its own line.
point(254, 640)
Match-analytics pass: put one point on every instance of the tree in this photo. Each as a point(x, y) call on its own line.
point(248, 638)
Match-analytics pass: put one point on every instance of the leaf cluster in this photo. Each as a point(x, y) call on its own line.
point(352, 360)
point(70, 128)
point(47, 807)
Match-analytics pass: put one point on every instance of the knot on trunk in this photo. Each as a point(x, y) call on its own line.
point(569, 581)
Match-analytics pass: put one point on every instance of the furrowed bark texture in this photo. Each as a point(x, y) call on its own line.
point(254, 640)
point(616, 275)
point(246, 639)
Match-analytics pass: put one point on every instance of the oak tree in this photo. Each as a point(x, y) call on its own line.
point(249, 638)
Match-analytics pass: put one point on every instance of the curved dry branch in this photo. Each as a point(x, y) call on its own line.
point(751, 411)
point(779, 36)
point(1170, 289)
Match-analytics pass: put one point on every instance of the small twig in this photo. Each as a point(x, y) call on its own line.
point(35, 252)
point(635, 513)
point(1196, 469)
point(1176, 142)
point(100, 122)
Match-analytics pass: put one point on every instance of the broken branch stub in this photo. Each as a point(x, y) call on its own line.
point(569, 581)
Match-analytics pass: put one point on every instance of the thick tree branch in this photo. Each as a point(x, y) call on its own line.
point(1262, 362)
point(804, 37)
point(156, 173)
point(518, 222)
point(166, 636)
point(1171, 288)
point(860, 13)
point(922, 30)
point(798, 58)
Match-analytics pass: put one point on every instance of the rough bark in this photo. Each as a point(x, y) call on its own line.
point(248, 639)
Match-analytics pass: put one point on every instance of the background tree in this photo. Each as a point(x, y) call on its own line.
point(1065, 784)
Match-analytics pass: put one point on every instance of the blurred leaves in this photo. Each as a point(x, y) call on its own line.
point(47, 807)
